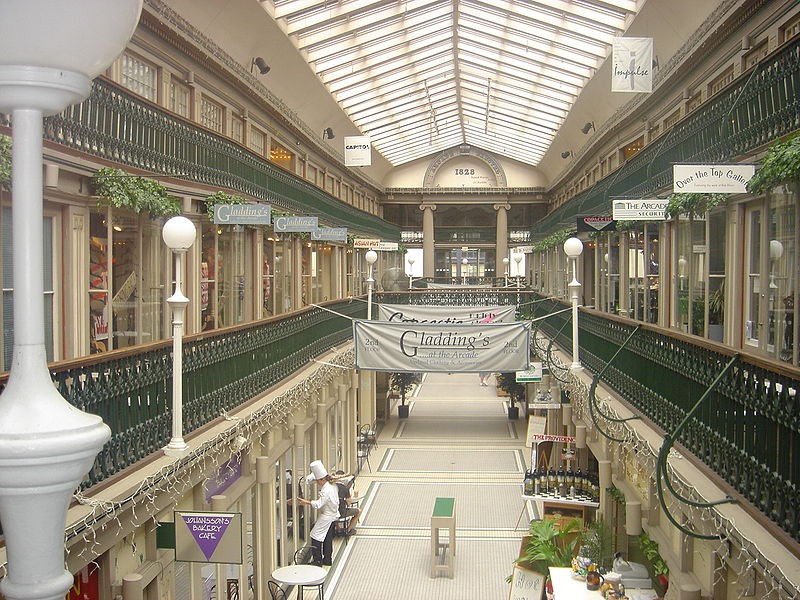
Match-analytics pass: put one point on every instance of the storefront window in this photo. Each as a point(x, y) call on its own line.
point(282, 276)
point(127, 262)
point(782, 268)
point(231, 275)
point(8, 287)
point(208, 278)
point(267, 275)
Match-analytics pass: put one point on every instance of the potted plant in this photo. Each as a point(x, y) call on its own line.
point(515, 390)
point(402, 382)
point(598, 544)
point(658, 565)
point(716, 312)
point(116, 188)
point(548, 546)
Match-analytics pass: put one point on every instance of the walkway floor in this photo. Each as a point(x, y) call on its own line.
point(459, 443)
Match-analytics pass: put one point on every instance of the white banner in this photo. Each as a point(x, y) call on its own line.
point(632, 65)
point(425, 348)
point(357, 151)
point(450, 286)
point(447, 315)
point(711, 179)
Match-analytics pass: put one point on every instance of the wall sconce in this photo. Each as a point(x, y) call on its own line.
point(260, 64)
point(589, 126)
point(566, 154)
point(327, 134)
point(687, 93)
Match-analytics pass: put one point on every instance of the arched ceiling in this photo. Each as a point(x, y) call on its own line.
point(422, 76)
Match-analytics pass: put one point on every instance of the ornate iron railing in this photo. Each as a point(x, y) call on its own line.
point(118, 126)
point(761, 105)
point(132, 389)
point(747, 433)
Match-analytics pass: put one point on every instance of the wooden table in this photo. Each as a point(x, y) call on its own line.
point(302, 575)
point(444, 516)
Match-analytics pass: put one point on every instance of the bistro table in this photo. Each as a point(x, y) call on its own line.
point(301, 576)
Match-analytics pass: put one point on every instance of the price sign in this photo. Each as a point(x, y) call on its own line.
point(526, 584)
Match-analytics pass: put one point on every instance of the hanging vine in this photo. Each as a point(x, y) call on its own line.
point(5, 162)
point(553, 240)
point(781, 165)
point(221, 198)
point(116, 188)
point(696, 204)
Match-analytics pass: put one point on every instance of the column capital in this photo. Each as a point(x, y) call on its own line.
point(427, 206)
point(504, 205)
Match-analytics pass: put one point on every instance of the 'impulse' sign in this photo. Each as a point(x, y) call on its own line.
point(712, 179)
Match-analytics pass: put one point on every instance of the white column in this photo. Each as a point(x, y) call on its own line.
point(501, 227)
point(428, 245)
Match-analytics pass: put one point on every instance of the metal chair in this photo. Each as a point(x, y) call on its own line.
point(276, 591)
point(370, 434)
point(363, 456)
point(304, 556)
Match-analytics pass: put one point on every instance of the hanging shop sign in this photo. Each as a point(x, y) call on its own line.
point(712, 179)
point(436, 348)
point(644, 209)
point(602, 223)
point(448, 315)
point(564, 439)
point(365, 243)
point(242, 214)
point(531, 375)
point(209, 537)
point(296, 224)
point(537, 425)
point(523, 249)
point(357, 151)
point(330, 234)
point(632, 65)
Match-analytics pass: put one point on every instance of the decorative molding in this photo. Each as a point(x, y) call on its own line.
point(464, 150)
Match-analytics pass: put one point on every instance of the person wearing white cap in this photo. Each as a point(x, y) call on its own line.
point(327, 506)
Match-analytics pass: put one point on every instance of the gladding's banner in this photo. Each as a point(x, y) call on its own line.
point(448, 315)
point(632, 65)
point(427, 348)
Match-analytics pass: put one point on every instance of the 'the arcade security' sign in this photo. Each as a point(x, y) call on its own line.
point(431, 348)
point(211, 537)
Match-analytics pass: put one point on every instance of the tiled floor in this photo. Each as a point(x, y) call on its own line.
point(457, 443)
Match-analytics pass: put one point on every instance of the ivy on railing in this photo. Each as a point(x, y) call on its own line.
point(696, 204)
point(220, 198)
point(116, 188)
point(553, 240)
point(781, 165)
point(5, 162)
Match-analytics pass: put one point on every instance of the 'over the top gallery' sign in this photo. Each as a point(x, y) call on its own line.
point(712, 179)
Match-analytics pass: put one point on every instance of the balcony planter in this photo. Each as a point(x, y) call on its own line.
point(118, 189)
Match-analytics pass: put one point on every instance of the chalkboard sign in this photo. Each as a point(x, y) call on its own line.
point(526, 584)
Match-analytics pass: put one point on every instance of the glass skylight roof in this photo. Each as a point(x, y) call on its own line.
point(422, 76)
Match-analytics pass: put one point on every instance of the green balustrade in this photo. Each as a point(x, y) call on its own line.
point(748, 430)
point(760, 106)
point(116, 125)
point(132, 389)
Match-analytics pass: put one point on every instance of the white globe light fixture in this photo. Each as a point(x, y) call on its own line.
point(518, 259)
point(573, 248)
point(179, 233)
point(50, 50)
point(775, 253)
point(464, 263)
point(411, 262)
point(371, 256)
point(505, 268)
